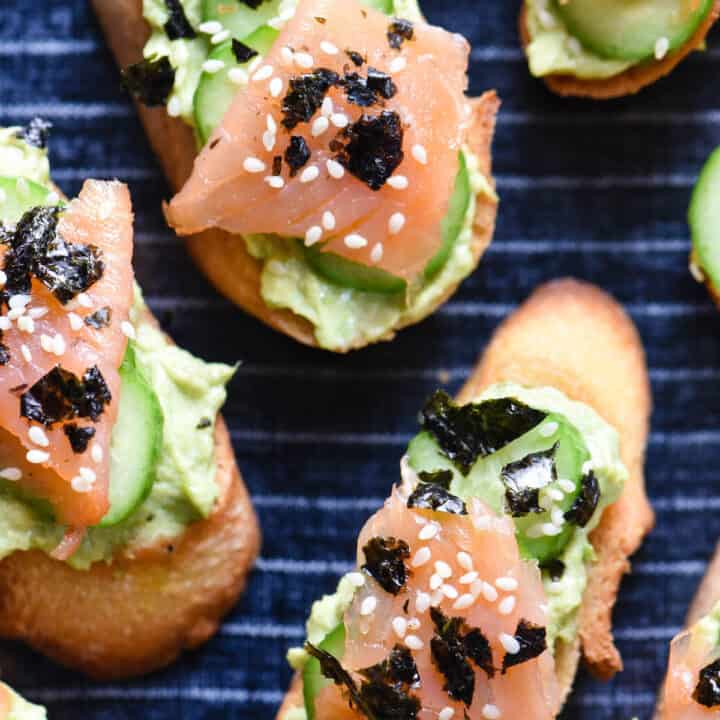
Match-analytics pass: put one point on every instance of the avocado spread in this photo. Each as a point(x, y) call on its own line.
point(21, 709)
point(343, 317)
point(709, 627)
point(564, 594)
point(190, 393)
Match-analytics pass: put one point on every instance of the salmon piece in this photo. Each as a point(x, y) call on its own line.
point(102, 217)
point(485, 583)
point(229, 189)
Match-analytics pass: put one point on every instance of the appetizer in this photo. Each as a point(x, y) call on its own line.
point(13, 707)
point(342, 188)
point(497, 558)
point(608, 48)
point(119, 493)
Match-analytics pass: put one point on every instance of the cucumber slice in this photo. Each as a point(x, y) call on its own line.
point(629, 29)
point(15, 200)
point(313, 680)
point(135, 444)
point(704, 219)
point(454, 220)
point(215, 92)
point(238, 17)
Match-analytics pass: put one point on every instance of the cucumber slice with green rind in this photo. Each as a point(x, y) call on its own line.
point(238, 17)
point(313, 680)
point(630, 29)
point(135, 444)
point(704, 219)
point(16, 199)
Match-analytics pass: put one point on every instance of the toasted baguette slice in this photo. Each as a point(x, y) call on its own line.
point(139, 613)
point(220, 255)
point(633, 79)
point(576, 338)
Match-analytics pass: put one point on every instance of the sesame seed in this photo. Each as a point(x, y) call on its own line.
point(511, 645)
point(446, 713)
point(276, 87)
point(376, 253)
point(88, 474)
point(12, 474)
point(38, 312)
point(368, 605)
point(313, 235)
point(263, 73)
point(96, 453)
point(464, 560)
point(464, 602)
point(75, 321)
point(421, 557)
point(489, 592)
point(37, 435)
point(254, 64)
point(422, 602)
point(80, 484)
point(399, 625)
point(420, 154)
point(319, 126)
point(211, 27)
point(25, 350)
point(435, 582)
point(16, 313)
point(413, 624)
point(428, 532)
point(3, 278)
point(557, 516)
point(508, 584)
point(491, 712)
point(84, 300)
point(328, 220)
point(357, 579)
point(339, 120)
point(309, 174)
point(661, 48)
point(47, 344)
point(128, 329)
point(5, 323)
point(275, 181)
point(436, 598)
point(304, 60)
point(220, 37)
point(550, 529)
point(36, 457)
point(335, 169)
point(477, 587)
point(286, 55)
point(398, 182)
point(327, 108)
point(269, 138)
point(238, 76)
point(212, 66)
point(450, 591)
point(355, 242)
point(59, 345)
point(398, 65)
point(555, 494)
point(18, 301)
point(396, 223)
point(443, 569)
point(548, 429)
point(469, 578)
point(52, 198)
point(507, 605)
point(566, 485)
point(26, 324)
point(414, 642)
point(328, 48)
point(174, 108)
point(254, 165)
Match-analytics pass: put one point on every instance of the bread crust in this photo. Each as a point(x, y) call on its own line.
point(633, 79)
point(221, 256)
point(576, 338)
point(139, 613)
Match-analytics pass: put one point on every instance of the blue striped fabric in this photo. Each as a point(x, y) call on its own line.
point(596, 191)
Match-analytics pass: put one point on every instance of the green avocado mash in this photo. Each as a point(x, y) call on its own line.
point(21, 709)
point(564, 595)
point(709, 627)
point(190, 392)
point(343, 317)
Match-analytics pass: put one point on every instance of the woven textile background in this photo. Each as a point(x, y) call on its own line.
point(594, 190)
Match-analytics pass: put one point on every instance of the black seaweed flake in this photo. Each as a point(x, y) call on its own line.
point(554, 568)
point(357, 90)
point(355, 57)
point(450, 657)
point(204, 423)
point(398, 667)
point(399, 31)
point(149, 81)
point(242, 52)
point(520, 498)
point(477, 647)
point(100, 318)
point(61, 395)
point(178, 26)
point(374, 148)
point(277, 165)
point(467, 432)
point(427, 496)
point(305, 96)
point(443, 478)
point(532, 641)
point(79, 437)
point(381, 83)
point(586, 502)
point(297, 154)
point(4, 353)
point(707, 691)
point(332, 669)
point(385, 561)
point(35, 133)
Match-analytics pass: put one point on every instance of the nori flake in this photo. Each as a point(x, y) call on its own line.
point(61, 395)
point(435, 497)
point(149, 81)
point(398, 667)
point(100, 318)
point(277, 165)
point(467, 432)
point(399, 31)
point(178, 26)
point(79, 437)
point(297, 154)
point(707, 691)
point(520, 498)
point(36, 248)
point(374, 148)
point(381, 83)
point(356, 58)
point(554, 568)
point(357, 90)
point(532, 642)
point(450, 657)
point(204, 423)
point(477, 648)
point(306, 95)
point(242, 52)
point(385, 561)
point(586, 502)
point(443, 478)
point(35, 133)
point(4, 353)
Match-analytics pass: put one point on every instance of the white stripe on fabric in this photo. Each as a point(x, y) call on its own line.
point(212, 695)
point(66, 110)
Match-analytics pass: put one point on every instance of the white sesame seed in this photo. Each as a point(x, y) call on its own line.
point(52, 198)
point(174, 108)
point(489, 592)
point(319, 126)
point(59, 345)
point(275, 181)
point(399, 625)
point(507, 605)
point(84, 300)
point(335, 169)
point(396, 223)
point(80, 484)
point(566, 485)
point(368, 605)
point(339, 120)
point(220, 37)
point(558, 516)
point(491, 712)
point(238, 76)
point(449, 591)
point(5, 323)
point(328, 48)
point(213, 66)
point(469, 578)
point(446, 713)
point(18, 301)
point(313, 235)
point(75, 321)
point(421, 557)
point(310, 174)
point(422, 602)
point(254, 165)
point(548, 429)
point(356, 579)
point(47, 344)
point(413, 624)
point(328, 220)
point(464, 602)
point(511, 645)
point(508, 584)
point(25, 350)
point(376, 253)
point(428, 532)
point(15, 313)
point(210, 27)
point(327, 108)
point(269, 138)
point(443, 569)
point(3, 278)
point(398, 65)
point(37, 435)
point(661, 48)
point(26, 324)
point(464, 560)
point(398, 182)
point(286, 55)
point(477, 587)
point(96, 453)
point(435, 582)
point(550, 529)
point(88, 474)
point(420, 154)
point(271, 124)
point(276, 87)
point(37, 457)
point(304, 60)
point(264, 73)
point(414, 642)
point(355, 241)
point(12, 474)
point(555, 494)
point(37, 312)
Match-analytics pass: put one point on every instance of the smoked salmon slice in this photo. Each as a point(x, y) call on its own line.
point(348, 134)
point(68, 289)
